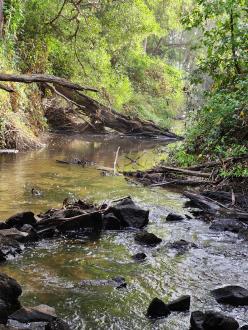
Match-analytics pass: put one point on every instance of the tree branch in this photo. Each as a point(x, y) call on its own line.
point(43, 78)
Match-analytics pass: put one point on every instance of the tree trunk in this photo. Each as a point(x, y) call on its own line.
point(1, 18)
point(233, 44)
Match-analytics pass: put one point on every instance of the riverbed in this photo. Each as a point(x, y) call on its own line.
point(51, 272)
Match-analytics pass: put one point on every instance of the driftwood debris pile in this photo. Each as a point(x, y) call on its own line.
point(201, 175)
point(98, 114)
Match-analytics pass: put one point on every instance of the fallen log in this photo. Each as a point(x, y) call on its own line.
point(182, 183)
point(43, 78)
point(184, 171)
point(97, 112)
point(111, 118)
point(213, 207)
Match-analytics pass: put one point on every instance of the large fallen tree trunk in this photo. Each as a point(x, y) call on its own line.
point(97, 112)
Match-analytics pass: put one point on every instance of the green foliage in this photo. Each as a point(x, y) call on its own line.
point(219, 129)
point(99, 45)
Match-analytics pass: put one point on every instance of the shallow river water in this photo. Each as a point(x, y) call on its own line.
point(51, 272)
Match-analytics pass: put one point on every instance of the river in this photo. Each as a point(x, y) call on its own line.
point(50, 273)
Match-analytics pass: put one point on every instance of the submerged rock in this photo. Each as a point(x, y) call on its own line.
point(211, 320)
point(12, 324)
point(117, 282)
point(174, 217)
point(232, 295)
point(20, 219)
point(232, 225)
point(41, 313)
point(129, 214)
point(181, 245)
point(147, 239)
point(57, 324)
point(8, 247)
point(157, 308)
point(181, 304)
point(139, 256)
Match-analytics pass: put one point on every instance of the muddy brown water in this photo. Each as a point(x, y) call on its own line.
point(50, 273)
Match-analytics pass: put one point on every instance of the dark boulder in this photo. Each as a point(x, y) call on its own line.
point(157, 308)
point(41, 313)
point(139, 256)
point(211, 320)
point(196, 320)
point(231, 225)
point(244, 327)
point(20, 219)
point(46, 233)
point(4, 311)
point(88, 222)
point(8, 247)
point(10, 290)
point(4, 225)
point(232, 295)
point(129, 214)
point(219, 321)
point(147, 239)
point(111, 222)
point(181, 304)
point(174, 217)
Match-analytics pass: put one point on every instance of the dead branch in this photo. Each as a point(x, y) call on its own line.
point(43, 78)
point(7, 88)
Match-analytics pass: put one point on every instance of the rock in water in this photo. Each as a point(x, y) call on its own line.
point(157, 308)
point(15, 325)
point(219, 321)
point(20, 219)
point(174, 217)
point(14, 234)
point(8, 247)
point(147, 239)
point(232, 225)
point(10, 290)
point(41, 313)
point(129, 214)
point(111, 222)
point(181, 245)
point(139, 256)
point(232, 295)
point(181, 304)
point(196, 320)
point(57, 324)
point(211, 320)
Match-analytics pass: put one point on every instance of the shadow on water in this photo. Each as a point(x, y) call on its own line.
point(52, 272)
